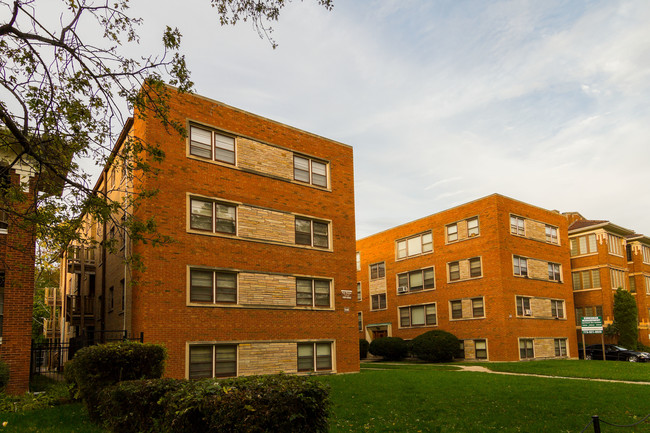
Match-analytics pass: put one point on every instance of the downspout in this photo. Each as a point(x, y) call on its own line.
point(102, 323)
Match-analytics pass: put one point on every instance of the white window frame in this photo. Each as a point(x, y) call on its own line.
point(554, 269)
point(312, 166)
point(523, 303)
point(215, 138)
point(517, 225)
point(518, 269)
point(312, 233)
point(424, 307)
point(404, 245)
point(551, 234)
point(557, 309)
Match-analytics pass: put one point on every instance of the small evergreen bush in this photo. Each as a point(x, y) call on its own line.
point(389, 348)
point(435, 346)
point(96, 367)
point(363, 348)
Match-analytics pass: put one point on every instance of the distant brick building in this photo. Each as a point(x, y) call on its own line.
point(16, 278)
point(260, 274)
point(494, 272)
point(604, 257)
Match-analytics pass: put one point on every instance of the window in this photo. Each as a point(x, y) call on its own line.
point(417, 315)
point(309, 171)
point(477, 307)
point(213, 361)
point(554, 272)
point(122, 291)
point(480, 349)
point(313, 293)
point(208, 144)
point(212, 286)
point(416, 245)
point(646, 254)
point(520, 266)
point(358, 261)
point(628, 249)
point(614, 245)
point(472, 227)
point(377, 270)
point(617, 278)
point(111, 298)
point(523, 306)
point(461, 350)
point(206, 215)
point(551, 234)
point(631, 284)
point(318, 355)
point(454, 271)
point(2, 302)
point(456, 309)
point(586, 279)
point(452, 232)
point(416, 280)
point(312, 233)
point(557, 309)
point(112, 177)
point(359, 294)
point(378, 301)
point(583, 245)
point(526, 348)
point(517, 226)
point(647, 284)
point(591, 311)
point(360, 320)
point(475, 267)
point(560, 347)
point(4, 222)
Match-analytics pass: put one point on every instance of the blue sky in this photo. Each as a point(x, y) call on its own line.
point(448, 101)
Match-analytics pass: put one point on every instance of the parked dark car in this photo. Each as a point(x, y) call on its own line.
point(615, 353)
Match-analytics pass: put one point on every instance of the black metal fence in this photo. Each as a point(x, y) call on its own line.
point(48, 359)
point(596, 422)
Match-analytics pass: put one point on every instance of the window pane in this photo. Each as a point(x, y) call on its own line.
point(403, 280)
point(414, 246)
point(401, 249)
point(303, 292)
point(320, 235)
point(319, 173)
point(452, 233)
point(595, 277)
point(226, 287)
point(323, 356)
point(225, 361)
point(301, 169)
point(305, 357)
point(200, 142)
point(201, 215)
point(582, 242)
point(225, 218)
point(427, 242)
point(200, 362)
point(429, 279)
point(430, 311)
point(201, 286)
point(475, 267)
point(322, 289)
point(303, 231)
point(415, 280)
point(224, 148)
point(417, 316)
point(472, 227)
point(404, 317)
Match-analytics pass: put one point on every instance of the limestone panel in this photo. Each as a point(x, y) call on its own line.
point(462, 229)
point(544, 347)
point(264, 158)
point(264, 289)
point(467, 308)
point(536, 230)
point(265, 224)
point(470, 352)
point(538, 269)
point(464, 269)
point(267, 358)
point(540, 307)
point(377, 286)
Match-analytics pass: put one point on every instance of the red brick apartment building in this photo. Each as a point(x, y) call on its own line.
point(604, 257)
point(259, 277)
point(16, 280)
point(494, 272)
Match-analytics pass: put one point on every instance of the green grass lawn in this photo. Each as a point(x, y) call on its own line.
point(407, 397)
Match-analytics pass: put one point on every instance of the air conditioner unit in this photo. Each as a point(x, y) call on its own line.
point(402, 289)
point(528, 313)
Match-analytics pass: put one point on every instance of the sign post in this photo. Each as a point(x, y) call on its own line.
point(592, 325)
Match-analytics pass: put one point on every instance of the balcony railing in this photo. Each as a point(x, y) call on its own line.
point(74, 306)
point(51, 328)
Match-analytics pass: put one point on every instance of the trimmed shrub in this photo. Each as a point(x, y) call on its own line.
point(246, 404)
point(363, 348)
point(4, 375)
point(133, 406)
point(389, 348)
point(435, 346)
point(96, 367)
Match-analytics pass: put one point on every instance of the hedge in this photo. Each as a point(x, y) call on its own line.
point(435, 346)
point(251, 404)
point(96, 367)
point(389, 348)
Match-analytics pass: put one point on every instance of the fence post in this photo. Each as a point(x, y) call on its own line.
point(596, 422)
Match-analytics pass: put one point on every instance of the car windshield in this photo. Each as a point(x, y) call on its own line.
point(619, 348)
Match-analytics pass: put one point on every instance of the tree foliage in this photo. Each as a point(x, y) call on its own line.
point(62, 97)
point(625, 318)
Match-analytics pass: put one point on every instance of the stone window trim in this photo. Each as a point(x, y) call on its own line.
point(451, 230)
point(308, 170)
point(414, 245)
point(225, 367)
point(454, 272)
point(238, 305)
point(222, 147)
point(237, 236)
point(427, 281)
point(237, 136)
point(429, 315)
